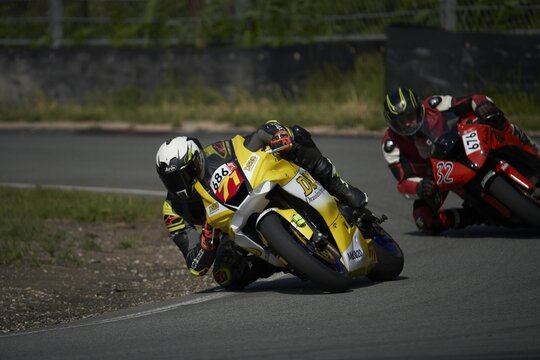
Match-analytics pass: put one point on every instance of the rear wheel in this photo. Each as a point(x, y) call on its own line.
point(523, 207)
point(330, 277)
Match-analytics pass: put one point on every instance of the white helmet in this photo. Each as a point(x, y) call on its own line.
point(180, 163)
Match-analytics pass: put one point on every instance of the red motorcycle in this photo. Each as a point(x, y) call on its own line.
point(491, 170)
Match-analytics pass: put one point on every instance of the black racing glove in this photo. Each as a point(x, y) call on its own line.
point(486, 108)
point(426, 188)
point(489, 113)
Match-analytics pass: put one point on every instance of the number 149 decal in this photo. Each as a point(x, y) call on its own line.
point(444, 169)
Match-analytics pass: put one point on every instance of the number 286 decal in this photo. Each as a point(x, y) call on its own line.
point(444, 170)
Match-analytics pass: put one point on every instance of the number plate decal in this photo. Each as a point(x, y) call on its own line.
point(471, 142)
point(226, 181)
point(444, 170)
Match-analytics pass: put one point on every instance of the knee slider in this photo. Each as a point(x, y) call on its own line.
point(425, 220)
point(223, 276)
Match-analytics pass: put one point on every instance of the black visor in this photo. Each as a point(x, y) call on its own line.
point(179, 179)
point(409, 123)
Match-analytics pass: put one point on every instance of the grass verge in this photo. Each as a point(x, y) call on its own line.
point(328, 97)
point(35, 224)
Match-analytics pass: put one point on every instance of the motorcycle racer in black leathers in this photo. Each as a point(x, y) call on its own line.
point(180, 162)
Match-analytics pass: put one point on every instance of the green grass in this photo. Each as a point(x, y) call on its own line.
point(126, 244)
point(36, 224)
point(328, 97)
point(522, 108)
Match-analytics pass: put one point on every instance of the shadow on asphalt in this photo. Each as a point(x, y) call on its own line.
point(294, 286)
point(480, 231)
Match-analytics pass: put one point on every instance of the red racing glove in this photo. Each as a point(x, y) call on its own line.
point(282, 138)
point(209, 238)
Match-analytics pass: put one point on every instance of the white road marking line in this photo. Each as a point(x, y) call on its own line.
point(160, 309)
point(135, 315)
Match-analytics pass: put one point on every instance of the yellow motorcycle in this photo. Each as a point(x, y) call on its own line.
point(273, 209)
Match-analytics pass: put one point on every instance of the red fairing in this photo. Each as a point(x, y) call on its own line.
point(514, 175)
point(476, 142)
point(499, 139)
point(450, 175)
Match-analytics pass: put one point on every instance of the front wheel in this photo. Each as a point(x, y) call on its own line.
point(390, 259)
point(332, 278)
point(523, 207)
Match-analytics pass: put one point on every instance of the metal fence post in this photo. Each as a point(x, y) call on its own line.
point(240, 8)
point(56, 25)
point(448, 9)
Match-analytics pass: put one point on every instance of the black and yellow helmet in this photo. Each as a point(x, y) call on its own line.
point(403, 111)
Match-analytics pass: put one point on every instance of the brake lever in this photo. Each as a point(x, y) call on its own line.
point(273, 151)
point(369, 218)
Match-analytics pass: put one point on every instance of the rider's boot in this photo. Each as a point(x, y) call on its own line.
point(433, 223)
point(460, 218)
point(524, 138)
point(347, 193)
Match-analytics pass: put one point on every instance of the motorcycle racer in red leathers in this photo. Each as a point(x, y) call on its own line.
point(406, 145)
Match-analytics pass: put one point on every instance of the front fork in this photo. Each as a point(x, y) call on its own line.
point(522, 183)
point(503, 168)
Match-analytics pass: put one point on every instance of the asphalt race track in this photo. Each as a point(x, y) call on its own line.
point(471, 294)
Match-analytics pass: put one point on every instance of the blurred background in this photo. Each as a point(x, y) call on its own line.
point(311, 62)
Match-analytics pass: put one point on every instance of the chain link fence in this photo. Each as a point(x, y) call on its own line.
point(199, 23)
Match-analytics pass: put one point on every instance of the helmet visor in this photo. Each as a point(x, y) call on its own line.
point(180, 180)
point(409, 123)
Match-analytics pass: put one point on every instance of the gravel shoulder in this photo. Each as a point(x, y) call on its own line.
point(104, 280)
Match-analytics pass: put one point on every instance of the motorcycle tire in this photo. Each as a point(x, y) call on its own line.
point(526, 209)
point(299, 260)
point(390, 259)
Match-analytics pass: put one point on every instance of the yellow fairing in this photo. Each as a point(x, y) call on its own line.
point(344, 235)
point(217, 215)
point(260, 166)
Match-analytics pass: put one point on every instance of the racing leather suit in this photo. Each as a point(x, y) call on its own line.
point(408, 159)
point(232, 268)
